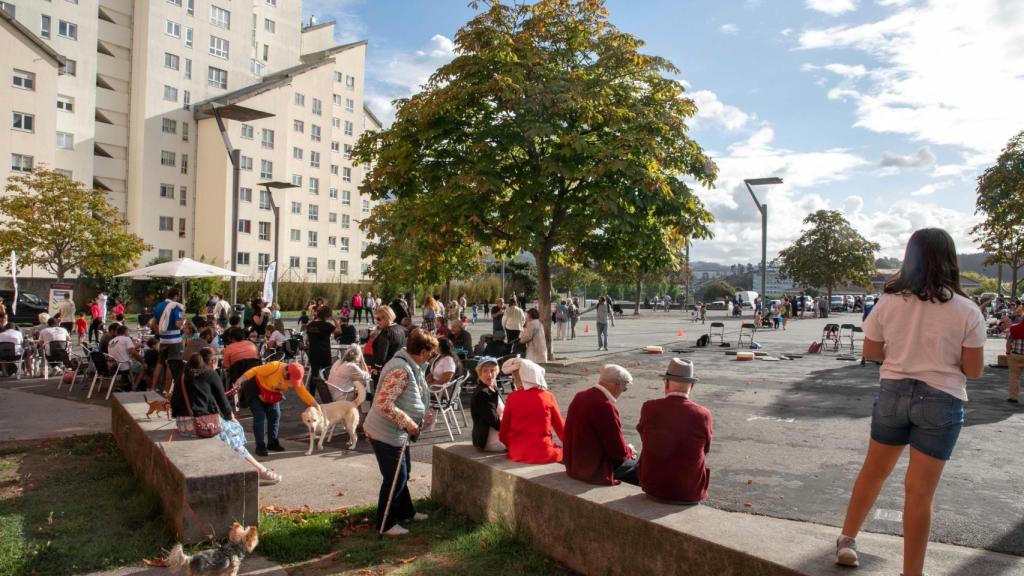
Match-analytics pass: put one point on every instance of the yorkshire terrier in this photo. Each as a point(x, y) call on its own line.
point(222, 561)
point(157, 406)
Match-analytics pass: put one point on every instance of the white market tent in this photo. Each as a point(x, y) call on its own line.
point(184, 269)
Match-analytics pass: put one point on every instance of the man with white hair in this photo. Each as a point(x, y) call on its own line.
point(594, 449)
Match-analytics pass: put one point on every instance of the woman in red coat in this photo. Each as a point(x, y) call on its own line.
point(531, 413)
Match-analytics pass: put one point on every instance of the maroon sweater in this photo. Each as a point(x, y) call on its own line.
point(676, 434)
point(593, 442)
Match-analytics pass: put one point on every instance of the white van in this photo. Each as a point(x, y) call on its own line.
point(747, 298)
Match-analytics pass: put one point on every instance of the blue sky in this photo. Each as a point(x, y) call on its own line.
point(884, 109)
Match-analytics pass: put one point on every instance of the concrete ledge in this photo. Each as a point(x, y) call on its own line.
point(606, 530)
point(219, 486)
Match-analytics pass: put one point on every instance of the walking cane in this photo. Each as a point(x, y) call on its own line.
point(394, 481)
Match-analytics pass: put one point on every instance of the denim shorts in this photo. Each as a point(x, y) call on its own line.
point(911, 412)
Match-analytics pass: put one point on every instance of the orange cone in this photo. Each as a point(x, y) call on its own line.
point(586, 328)
point(679, 333)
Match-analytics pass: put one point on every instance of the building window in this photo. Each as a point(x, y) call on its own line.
point(164, 255)
point(217, 78)
point(300, 100)
point(245, 163)
point(346, 174)
point(269, 25)
point(172, 29)
point(171, 61)
point(67, 29)
point(332, 217)
point(188, 37)
point(170, 94)
point(70, 67)
point(65, 141)
point(332, 240)
point(366, 206)
point(168, 158)
point(344, 244)
point(169, 126)
point(346, 197)
point(186, 99)
point(22, 121)
point(296, 207)
point(219, 47)
point(44, 26)
point(314, 213)
point(345, 221)
point(243, 258)
point(348, 128)
point(317, 107)
point(297, 180)
point(175, 2)
point(350, 105)
point(267, 141)
point(166, 224)
point(311, 265)
point(63, 172)
point(333, 192)
point(343, 267)
point(245, 194)
point(350, 82)
point(183, 195)
point(338, 76)
point(264, 200)
point(264, 230)
point(184, 131)
point(181, 228)
point(190, 8)
point(296, 153)
point(330, 265)
point(293, 261)
point(334, 169)
point(335, 146)
point(266, 169)
point(245, 226)
point(364, 267)
point(314, 132)
point(188, 68)
point(262, 262)
point(312, 238)
point(298, 126)
point(347, 154)
point(314, 185)
point(336, 122)
point(167, 191)
point(314, 159)
point(22, 79)
point(184, 163)
point(337, 99)
point(274, 4)
point(21, 163)
point(220, 17)
point(65, 103)
point(266, 52)
point(247, 131)
point(295, 235)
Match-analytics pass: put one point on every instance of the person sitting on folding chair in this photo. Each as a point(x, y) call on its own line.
point(445, 366)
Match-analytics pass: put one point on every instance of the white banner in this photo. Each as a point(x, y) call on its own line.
point(268, 283)
point(14, 280)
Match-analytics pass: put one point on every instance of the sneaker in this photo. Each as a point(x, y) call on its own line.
point(275, 447)
point(270, 476)
point(396, 530)
point(846, 551)
point(420, 517)
point(1014, 400)
point(261, 452)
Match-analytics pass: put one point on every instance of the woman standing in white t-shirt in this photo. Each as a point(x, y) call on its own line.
point(929, 338)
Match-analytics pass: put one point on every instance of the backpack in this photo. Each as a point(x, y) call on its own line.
point(814, 348)
point(559, 315)
point(703, 340)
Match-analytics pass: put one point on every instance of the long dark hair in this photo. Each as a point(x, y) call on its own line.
point(444, 346)
point(930, 270)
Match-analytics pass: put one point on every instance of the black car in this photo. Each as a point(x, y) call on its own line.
point(29, 307)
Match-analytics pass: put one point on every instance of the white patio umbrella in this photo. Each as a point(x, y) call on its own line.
point(184, 268)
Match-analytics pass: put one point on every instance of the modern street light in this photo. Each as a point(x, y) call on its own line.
point(763, 209)
point(270, 187)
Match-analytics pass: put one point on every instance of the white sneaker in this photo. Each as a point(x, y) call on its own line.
point(396, 530)
point(846, 551)
point(420, 517)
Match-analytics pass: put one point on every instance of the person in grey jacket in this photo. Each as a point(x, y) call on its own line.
point(604, 317)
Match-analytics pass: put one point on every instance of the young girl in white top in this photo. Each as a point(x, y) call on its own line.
point(929, 338)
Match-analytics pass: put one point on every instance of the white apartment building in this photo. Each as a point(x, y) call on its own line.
point(132, 116)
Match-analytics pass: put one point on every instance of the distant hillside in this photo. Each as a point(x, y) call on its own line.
point(976, 263)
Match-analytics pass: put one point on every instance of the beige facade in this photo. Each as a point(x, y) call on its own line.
point(138, 71)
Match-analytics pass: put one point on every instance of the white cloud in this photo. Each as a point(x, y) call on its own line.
point(786, 31)
point(729, 29)
point(897, 3)
point(892, 227)
point(921, 159)
point(846, 71)
point(348, 25)
point(401, 74)
point(929, 189)
point(948, 72)
point(711, 110)
point(842, 94)
point(832, 7)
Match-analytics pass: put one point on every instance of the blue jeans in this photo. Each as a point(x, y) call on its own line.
point(602, 334)
point(401, 503)
point(263, 416)
point(911, 412)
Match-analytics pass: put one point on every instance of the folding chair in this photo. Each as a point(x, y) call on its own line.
point(720, 327)
point(56, 355)
point(106, 368)
point(846, 333)
point(830, 333)
point(445, 399)
point(9, 355)
point(854, 339)
point(747, 330)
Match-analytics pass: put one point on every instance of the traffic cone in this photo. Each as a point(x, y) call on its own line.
point(586, 328)
point(679, 333)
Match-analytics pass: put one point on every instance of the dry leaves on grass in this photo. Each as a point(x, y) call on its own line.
point(406, 560)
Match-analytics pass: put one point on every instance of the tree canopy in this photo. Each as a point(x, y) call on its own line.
point(829, 253)
point(548, 133)
point(56, 223)
point(1000, 200)
point(717, 290)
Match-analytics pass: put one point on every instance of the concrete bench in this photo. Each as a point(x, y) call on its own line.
point(598, 530)
point(219, 486)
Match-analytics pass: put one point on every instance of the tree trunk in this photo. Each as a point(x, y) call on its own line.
point(447, 291)
point(828, 303)
point(639, 286)
point(1013, 289)
point(543, 258)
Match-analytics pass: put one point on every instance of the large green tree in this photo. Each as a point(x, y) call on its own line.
point(1000, 201)
point(57, 224)
point(830, 253)
point(547, 128)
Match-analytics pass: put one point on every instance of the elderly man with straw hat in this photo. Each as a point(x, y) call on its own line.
point(676, 436)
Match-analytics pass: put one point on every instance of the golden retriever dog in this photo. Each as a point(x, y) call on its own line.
point(322, 421)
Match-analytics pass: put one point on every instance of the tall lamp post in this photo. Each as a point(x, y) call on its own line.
point(270, 187)
point(763, 209)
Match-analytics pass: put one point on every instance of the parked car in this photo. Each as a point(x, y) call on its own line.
point(837, 304)
point(719, 305)
point(29, 307)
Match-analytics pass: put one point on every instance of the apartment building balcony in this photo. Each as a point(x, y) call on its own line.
point(111, 134)
point(109, 99)
point(115, 34)
point(110, 168)
point(113, 67)
point(123, 6)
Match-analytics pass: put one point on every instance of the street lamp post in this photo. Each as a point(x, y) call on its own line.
point(763, 209)
point(270, 187)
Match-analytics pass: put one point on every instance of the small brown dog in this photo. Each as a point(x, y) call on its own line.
point(157, 406)
point(222, 561)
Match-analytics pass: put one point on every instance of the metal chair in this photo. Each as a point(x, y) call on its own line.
point(106, 368)
point(56, 355)
point(747, 330)
point(854, 339)
point(445, 399)
point(846, 333)
point(830, 333)
point(9, 355)
point(716, 329)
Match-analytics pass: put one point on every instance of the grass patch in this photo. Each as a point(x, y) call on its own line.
point(72, 506)
point(448, 544)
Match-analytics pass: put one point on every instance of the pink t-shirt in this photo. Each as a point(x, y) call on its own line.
point(924, 340)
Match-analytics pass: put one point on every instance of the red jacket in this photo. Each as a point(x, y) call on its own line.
point(594, 446)
point(526, 426)
point(676, 434)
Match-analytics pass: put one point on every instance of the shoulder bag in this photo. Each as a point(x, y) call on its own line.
point(206, 426)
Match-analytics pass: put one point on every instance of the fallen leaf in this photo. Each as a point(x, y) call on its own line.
point(748, 503)
point(155, 562)
point(749, 482)
point(341, 494)
point(407, 560)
